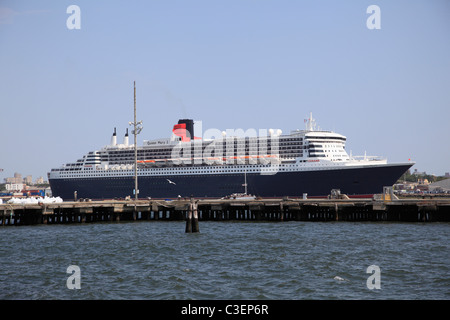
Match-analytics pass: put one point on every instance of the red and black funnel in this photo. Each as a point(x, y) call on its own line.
point(184, 129)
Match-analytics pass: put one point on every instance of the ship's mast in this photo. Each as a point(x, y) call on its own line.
point(310, 123)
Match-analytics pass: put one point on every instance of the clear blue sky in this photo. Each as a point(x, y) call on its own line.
point(232, 64)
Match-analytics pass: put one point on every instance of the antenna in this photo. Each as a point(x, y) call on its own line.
point(310, 123)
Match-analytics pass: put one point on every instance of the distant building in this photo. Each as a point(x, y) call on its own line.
point(40, 180)
point(14, 186)
point(419, 173)
point(423, 181)
point(447, 174)
point(422, 187)
point(17, 179)
point(28, 180)
point(440, 186)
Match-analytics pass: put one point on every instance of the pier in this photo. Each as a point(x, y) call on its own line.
point(342, 209)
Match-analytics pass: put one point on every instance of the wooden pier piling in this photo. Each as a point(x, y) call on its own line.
point(189, 222)
point(192, 218)
point(195, 226)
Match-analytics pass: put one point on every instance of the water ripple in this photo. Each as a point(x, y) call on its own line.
point(226, 260)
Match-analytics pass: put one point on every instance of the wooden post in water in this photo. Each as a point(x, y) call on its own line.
point(195, 227)
point(192, 218)
point(134, 212)
point(189, 219)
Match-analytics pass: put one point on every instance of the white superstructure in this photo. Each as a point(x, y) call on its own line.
point(301, 150)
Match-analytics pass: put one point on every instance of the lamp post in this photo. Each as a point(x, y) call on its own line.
point(137, 129)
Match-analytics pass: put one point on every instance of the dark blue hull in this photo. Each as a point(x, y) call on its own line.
point(351, 181)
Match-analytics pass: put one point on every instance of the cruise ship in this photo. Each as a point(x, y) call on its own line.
point(216, 164)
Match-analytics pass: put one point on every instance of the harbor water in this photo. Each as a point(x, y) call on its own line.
point(157, 260)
